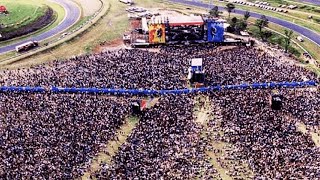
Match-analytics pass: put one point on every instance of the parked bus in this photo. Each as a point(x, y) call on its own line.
point(27, 46)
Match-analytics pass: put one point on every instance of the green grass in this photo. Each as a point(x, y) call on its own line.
point(276, 39)
point(21, 13)
point(59, 14)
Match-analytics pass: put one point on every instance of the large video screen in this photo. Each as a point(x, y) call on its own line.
point(157, 33)
point(215, 31)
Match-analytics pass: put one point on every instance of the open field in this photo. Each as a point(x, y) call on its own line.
point(21, 13)
point(89, 7)
point(59, 14)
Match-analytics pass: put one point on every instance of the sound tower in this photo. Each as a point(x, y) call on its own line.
point(276, 100)
point(135, 108)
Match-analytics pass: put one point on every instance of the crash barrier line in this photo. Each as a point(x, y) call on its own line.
point(110, 91)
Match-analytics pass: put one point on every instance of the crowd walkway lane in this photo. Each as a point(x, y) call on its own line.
point(111, 148)
point(313, 133)
point(206, 114)
point(202, 115)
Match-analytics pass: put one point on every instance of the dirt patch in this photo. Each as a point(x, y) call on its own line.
point(202, 110)
point(109, 46)
point(89, 6)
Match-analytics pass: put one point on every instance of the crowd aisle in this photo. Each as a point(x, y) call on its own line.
point(166, 143)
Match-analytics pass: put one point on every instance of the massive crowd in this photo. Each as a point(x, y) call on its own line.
point(45, 135)
point(269, 140)
point(165, 144)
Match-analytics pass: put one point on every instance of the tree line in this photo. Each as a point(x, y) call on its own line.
point(240, 24)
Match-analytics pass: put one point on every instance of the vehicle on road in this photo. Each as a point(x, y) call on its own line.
point(299, 38)
point(27, 46)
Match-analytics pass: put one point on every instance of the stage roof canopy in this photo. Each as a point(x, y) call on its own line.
point(179, 20)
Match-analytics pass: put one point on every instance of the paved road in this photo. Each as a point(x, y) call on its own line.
point(72, 15)
point(315, 2)
point(299, 29)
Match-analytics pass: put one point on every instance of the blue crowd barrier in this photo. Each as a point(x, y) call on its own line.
point(28, 89)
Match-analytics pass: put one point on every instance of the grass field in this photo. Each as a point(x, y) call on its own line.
point(59, 14)
point(21, 13)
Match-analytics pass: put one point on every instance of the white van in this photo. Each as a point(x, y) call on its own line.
point(299, 38)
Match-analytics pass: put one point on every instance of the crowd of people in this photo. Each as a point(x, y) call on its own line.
point(166, 144)
point(46, 135)
point(267, 139)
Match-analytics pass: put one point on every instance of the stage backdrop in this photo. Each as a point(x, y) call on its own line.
point(157, 33)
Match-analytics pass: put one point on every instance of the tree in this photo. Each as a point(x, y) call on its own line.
point(261, 23)
point(287, 39)
point(266, 35)
point(246, 15)
point(214, 11)
point(233, 21)
point(230, 7)
point(241, 25)
point(236, 25)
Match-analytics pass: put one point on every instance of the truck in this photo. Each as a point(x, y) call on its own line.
point(27, 46)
